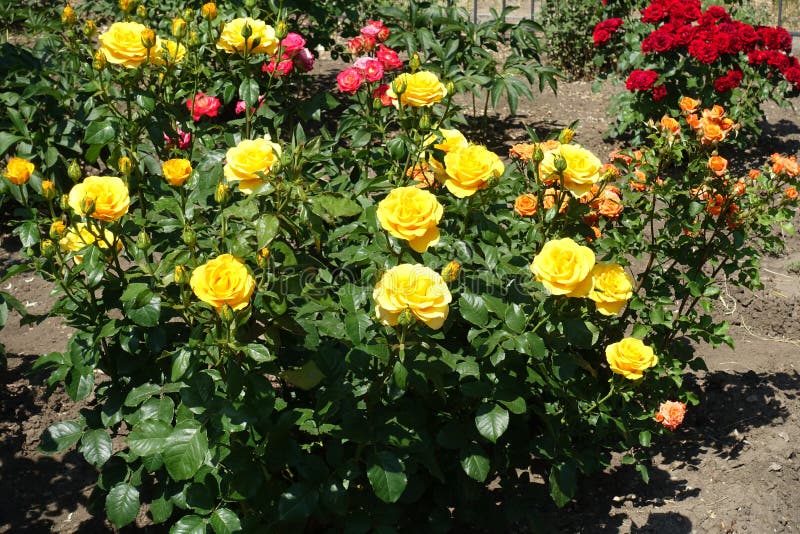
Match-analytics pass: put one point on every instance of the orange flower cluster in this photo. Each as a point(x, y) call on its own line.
point(712, 126)
point(785, 164)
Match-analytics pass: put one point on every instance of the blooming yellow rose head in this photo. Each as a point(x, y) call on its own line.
point(223, 280)
point(412, 214)
point(176, 171)
point(469, 169)
point(630, 357)
point(452, 140)
point(422, 88)
point(612, 288)
point(564, 267)
point(107, 194)
point(122, 44)
point(79, 236)
point(18, 170)
point(168, 53)
point(248, 158)
point(583, 168)
point(262, 39)
point(415, 288)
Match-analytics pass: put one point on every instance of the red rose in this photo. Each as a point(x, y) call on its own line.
point(605, 29)
point(380, 92)
point(687, 11)
point(731, 80)
point(203, 104)
point(684, 34)
point(658, 41)
point(641, 80)
point(775, 38)
point(388, 58)
point(304, 60)
point(748, 38)
point(757, 57)
point(371, 68)
point(792, 75)
point(714, 14)
point(278, 68)
point(726, 43)
point(600, 36)
point(654, 13)
point(349, 80)
point(704, 52)
point(355, 45)
point(659, 92)
point(777, 59)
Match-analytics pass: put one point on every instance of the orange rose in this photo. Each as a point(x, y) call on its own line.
point(640, 181)
point(715, 204)
point(670, 414)
point(549, 200)
point(718, 165)
point(668, 124)
point(688, 104)
point(522, 152)
point(18, 170)
point(791, 193)
point(526, 205)
point(609, 203)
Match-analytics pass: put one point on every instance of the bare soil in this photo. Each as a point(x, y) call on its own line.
point(733, 467)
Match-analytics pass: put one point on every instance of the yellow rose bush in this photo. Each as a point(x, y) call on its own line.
point(316, 309)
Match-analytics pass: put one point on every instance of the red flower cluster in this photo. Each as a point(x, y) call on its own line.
point(605, 29)
point(367, 68)
point(709, 36)
point(293, 54)
point(644, 80)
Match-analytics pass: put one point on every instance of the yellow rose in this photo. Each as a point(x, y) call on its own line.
point(564, 268)
point(630, 357)
point(77, 237)
point(412, 214)
point(452, 140)
point(422, 88)
point(176, 171)
point(583, 168)
point(613, 287)
point(18, 170)
point(122, 44)
point(108, 194)
point(232, 41)
point(415, 288)
point(223, 280)
point(168, 53)
point(248, 158)
point(469, 169)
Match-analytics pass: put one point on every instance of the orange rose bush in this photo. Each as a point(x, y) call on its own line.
point(347, 309)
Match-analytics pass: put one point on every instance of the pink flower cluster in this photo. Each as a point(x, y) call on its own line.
point(202, 104)
point(709, 36)
point(371, 34)
point(367, 68)
point(291, 54)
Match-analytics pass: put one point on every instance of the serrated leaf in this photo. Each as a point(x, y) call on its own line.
point(387, 476)
point(60, 436)
point(189, 524)
point(259, 353)
point(141, 393)
point(563, 482)
point(99, 133)
point(180, 363)
point(491, 420)
point(224, 521)
point(248, 91)
point(122, 504)
point(267, 227)
point(148, 437)
point(96, 446)
point(475, 463)
point(473, 309)
point(185, 450)
point(334, 205)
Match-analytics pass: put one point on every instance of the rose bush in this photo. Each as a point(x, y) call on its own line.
point(357, 324)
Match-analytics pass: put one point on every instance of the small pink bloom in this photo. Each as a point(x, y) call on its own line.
point(183, 140)
point(202, 104)
point(388, 58)
point(281, 68)
point(349, 80)
point(355, 45)
point(370, 31)
point(373, 70)
point(304, 60)
point(240, 107)
point(293, 43)
point(381, 92)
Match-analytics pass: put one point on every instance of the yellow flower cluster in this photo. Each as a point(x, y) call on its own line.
point(248, 158)
point(130, 44)
point(412, 214)
point(248, 35)
point(582, 171)
point(420, 89)
point(104, 198)
point(225, 280)
point(414, 288)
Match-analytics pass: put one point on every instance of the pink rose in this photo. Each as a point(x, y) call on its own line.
point(304, 60)
point(355, 45)
point(278, 68)
point(293, 43)
point(349, 80)
point(202, 104)
point(373, 70)
point(388, 58)
point(183, 140)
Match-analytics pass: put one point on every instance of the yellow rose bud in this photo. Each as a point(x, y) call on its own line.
point(612, 288)
point(48, 248)
point(222, 194)
point(406, 318)
point(450, 87)
point(124, 165)
point(178, 27)
point(48, 190)
point(189, 237)
point(209, 11)
point(18, 170)
point(102, 197)
point(148, 37)
point(226, 313)
point(248, 158)
point(564, 268)
point(560, 164)
point(63, 202)
point(254, 36)
point(127, 5)
point(420, 89)
point(180, 275)
point(581, 169)
point(74, 171)
point(99, 61)
point(57, 229)
point(538, 153)
point(141, 12)
point(412, 214)
point(630, 358)
point(262, 257)
point(188, 13)
point(566, 135)
point(176, 171)
point(415, 288)
point(68, 17)
point(450, 271)
point(143, 240)
point(414, 62)
point(471, 169)
point(281, 30)
point(89, 28)
point(223, 281)
point(194, 39)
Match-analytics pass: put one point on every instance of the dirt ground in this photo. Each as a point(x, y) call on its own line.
point(733, 467)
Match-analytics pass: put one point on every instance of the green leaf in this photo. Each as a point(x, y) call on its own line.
point(141, 305)
point(60, 436)
point(563, 482)
point(189, 524)
point(99, 133)
point(334, 205)
point(180, 363)
point(141, 393)
point(491, 420)
point(387, 476)
point(474, 462)
point(267, 227)
point(473, 309)
point(642, 469)
point(122, 504)
point(306, 377)
point(644, 438)
point(248, 91)
point(259, 353)
point(160, 509)
point(148, 437)
point(515, 318)
point(185, 450)
point(224, 521)
point(361, 137)
point(28, 233)
point(298, 502)
point(6, 140)
point(96, 446)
